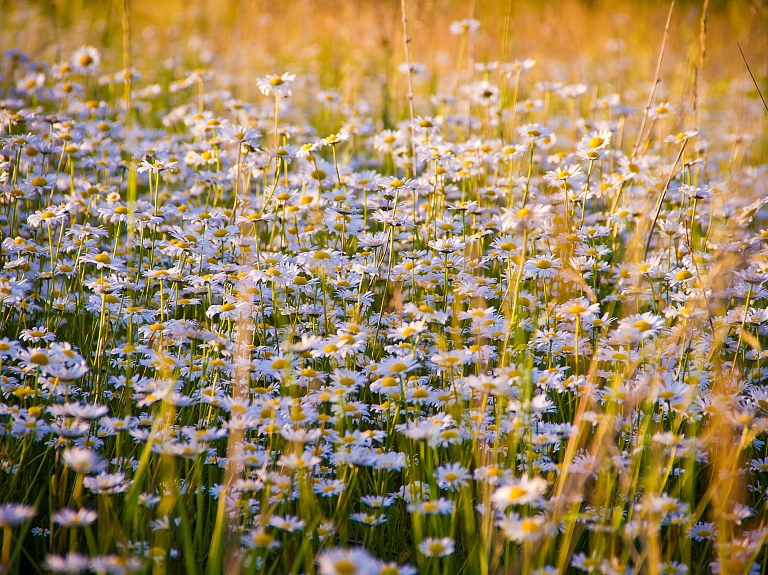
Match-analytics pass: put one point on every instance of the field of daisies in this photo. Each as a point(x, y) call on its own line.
point(496, 321)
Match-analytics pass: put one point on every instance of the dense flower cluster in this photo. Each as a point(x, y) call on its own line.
point(496, 334)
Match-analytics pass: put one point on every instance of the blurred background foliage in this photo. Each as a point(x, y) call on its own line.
point(355, 46)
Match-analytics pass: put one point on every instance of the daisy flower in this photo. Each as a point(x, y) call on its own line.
point(83, 461)
point(353, 561)
point(542, 266)
point(556, 177)
point(273, 84)
point(12, 514)
point(465, 26)
point(86, 60)
point(523, 491)
point(74, 518)
point(72, 562)
point(37, 334)
point(452, 476)
point(440, 547)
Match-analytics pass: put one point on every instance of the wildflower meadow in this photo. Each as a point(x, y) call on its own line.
point(379, 288)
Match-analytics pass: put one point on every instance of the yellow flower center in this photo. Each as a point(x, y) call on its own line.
point(280, 364)
point(39, 358)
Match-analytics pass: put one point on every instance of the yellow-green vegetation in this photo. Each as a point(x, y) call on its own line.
point(378, 288)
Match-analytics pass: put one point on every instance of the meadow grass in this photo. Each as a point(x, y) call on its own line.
point(383, 288)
